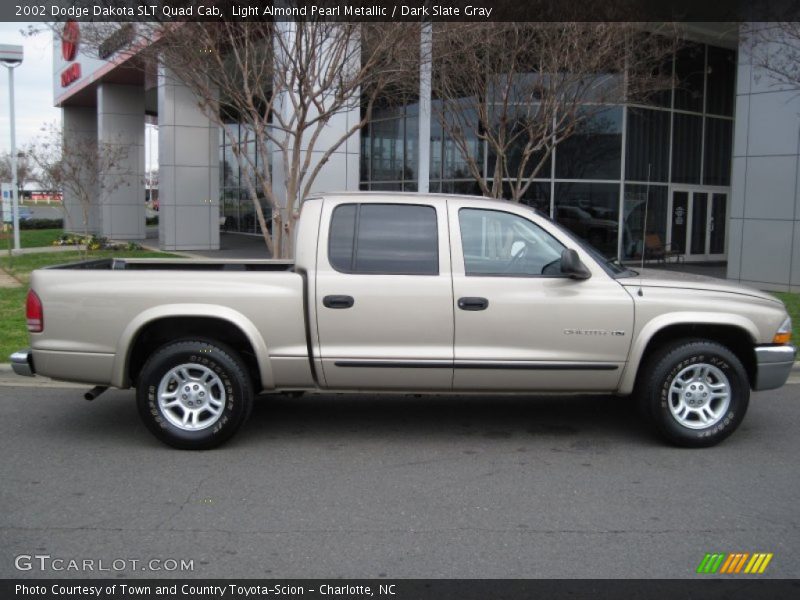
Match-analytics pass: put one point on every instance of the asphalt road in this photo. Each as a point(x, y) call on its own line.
point(396, 486)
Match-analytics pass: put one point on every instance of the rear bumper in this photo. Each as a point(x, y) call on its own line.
point(22, 363)
point(773, 365)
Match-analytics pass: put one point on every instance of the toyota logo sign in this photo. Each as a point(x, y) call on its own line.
point(69, 40)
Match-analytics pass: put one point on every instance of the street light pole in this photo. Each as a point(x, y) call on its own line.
point(11, 57)
point(12, 126)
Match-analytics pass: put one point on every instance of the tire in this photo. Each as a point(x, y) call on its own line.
point(194, 394)
point(695, 393)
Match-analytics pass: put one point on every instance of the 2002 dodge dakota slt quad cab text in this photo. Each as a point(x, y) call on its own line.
point(415, 293)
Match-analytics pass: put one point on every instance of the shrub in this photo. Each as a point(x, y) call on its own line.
point(41, 224)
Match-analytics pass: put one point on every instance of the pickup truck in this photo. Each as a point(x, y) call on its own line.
point(407, 293)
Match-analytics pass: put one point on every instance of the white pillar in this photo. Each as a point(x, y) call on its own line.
point(425, 74)
point(188, 170)
point(120, 121)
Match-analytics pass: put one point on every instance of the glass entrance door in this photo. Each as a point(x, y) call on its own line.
point(697, 223)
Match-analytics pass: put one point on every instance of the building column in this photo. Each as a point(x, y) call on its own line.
point(425, 77)
point(79, 126)
point(188, 170)
point(764, 225)
point(120, 122)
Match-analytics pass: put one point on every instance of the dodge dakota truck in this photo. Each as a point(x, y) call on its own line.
point(407, 293)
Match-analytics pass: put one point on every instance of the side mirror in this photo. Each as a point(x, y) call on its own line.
point(572, 266)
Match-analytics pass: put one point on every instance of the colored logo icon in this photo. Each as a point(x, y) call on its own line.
point(735, 563)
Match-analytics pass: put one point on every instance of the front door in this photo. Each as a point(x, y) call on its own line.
point(697, 223)
point(520, 324)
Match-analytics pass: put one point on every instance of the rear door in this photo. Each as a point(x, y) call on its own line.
point(384, 299)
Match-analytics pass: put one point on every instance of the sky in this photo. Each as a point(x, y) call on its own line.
point(33, 90)
point(33, 86)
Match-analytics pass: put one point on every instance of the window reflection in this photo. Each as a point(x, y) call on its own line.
point(591, 211)
point(594, 151)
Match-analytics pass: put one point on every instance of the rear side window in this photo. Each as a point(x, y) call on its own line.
point(388, 239)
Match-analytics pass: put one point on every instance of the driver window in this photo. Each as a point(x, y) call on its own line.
point(504, 244)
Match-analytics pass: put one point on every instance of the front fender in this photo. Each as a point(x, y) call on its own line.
point(661, 322)
point(214, 311)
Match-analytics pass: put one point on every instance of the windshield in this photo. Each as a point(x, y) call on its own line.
point(611, 265)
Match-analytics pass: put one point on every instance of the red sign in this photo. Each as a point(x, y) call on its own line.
point(69, 40)
point(71, 74)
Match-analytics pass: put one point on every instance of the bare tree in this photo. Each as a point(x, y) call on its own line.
point(84, 170)
point(282, 84)
point(25, 170)
point(774, 48)
point(523, 88)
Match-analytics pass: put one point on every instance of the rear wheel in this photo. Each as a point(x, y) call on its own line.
point(694, 392)
point(194, 394)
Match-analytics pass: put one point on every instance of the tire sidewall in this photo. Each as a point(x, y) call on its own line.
point(223, 363)
point(686, 356)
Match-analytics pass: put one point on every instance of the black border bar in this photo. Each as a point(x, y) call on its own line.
point(402, 10)
point(707, 588)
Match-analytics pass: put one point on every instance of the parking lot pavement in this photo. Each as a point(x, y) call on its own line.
point(396, 486)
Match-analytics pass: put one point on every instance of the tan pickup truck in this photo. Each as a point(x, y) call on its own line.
point(413, 293)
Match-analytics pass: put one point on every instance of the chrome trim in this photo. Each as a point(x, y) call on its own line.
point(773, 366)
point(22, 363)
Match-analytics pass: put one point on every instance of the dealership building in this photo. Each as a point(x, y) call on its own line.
point(713, 165)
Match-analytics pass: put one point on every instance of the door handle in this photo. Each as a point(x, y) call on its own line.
point(472, 303)
point(338, 301)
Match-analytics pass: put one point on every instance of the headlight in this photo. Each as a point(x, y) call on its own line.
point(784, 333)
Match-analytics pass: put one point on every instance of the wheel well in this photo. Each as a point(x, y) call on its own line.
point(735, 339)
point(169, 329)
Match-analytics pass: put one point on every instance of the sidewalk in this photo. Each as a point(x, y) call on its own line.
point(7, 281)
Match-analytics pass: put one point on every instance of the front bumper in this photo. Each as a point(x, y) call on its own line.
point(773, 365)
point(22, 363)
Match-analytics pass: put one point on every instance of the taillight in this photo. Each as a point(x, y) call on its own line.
point(34, 313)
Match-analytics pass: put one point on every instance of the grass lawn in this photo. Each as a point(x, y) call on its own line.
point(792, 302)
point(36, 238)
point(13, 331)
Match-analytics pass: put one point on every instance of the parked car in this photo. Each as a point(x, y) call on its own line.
point(407, 292)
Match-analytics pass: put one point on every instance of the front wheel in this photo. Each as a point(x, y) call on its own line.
point(194, 394)
point(695, 392)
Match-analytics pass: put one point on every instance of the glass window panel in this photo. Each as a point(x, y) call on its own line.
point(641, 204)
point(247, 214)
point(412, 149)
point(366, 146)
point(387, 150)
point(719, 209)
point(396, 239)
point(436, 148)
point(647, 145)
point(499, 243)
point(591, 211)
point(718, 150)
point(595, 150)
point(680, 218)
point(689, 72)
point(699, 222)
point(230, 168)
point(386, 186)
point(721, 81)
point(687, 137)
